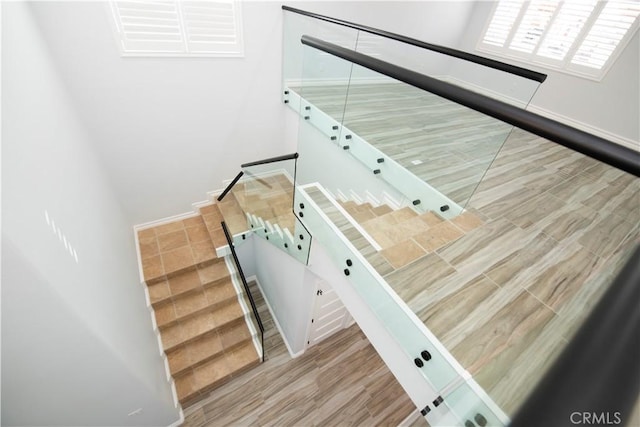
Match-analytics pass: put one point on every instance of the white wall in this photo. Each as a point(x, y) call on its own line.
point(77, 341)
point(289, 290)
point(611, 106)
point(170, 129)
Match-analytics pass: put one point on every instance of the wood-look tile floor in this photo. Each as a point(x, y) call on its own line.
point(439, 141)
point(340, 381)
point(506, 297)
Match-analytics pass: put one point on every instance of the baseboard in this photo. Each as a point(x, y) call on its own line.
point(246, 310)
point(275, 319)
point(410, 419)
point(620, 140)
point(162, 221)
point(338, 81)
point(180, 420)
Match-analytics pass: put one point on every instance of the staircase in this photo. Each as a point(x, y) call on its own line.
point(199, 311)
point(390, 239)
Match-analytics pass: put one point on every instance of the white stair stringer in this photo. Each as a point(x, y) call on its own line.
point(248, 314)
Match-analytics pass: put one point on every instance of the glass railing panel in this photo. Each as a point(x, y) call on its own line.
point(264, 196)
point(432, 151)
point(492, 82)
point(331, 75)
point(447, 146)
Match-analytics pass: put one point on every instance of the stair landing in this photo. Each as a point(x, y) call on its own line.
point(203, 326)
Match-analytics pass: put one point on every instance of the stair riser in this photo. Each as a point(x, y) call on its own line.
point(187, 316)
point(181, 372)
point(219, 328)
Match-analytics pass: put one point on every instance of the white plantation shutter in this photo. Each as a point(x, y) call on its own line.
point(577, 36)
point(533, 25)
point(566, 27)
point(502, 21)
point(179, 28)
point(612, 24)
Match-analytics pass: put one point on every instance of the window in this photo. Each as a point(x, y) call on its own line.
point(179, 28)
point(582, 37)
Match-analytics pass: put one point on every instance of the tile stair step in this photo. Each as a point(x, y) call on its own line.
point(171, 248)
point(232, 214)
point(192, 303)
point(207, 347)
point(199, 324)
point(381, 210)
point(193, 385)
point(363, 215)
point(205, 274)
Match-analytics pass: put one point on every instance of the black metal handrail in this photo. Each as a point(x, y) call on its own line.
point(256, 163)
point(593, 146)
point(598, 373)
point(230, 186)
point(292, 156)
point(511, 69)
point(254, 308)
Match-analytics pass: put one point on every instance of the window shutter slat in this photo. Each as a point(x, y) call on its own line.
point(179, 27)
point(533, 25)
point(503, 19)
point(609, 29)
point(565, 28)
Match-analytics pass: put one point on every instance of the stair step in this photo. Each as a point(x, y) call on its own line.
point(204, 321)
point(191, 303)
point(174, 247)
point(193, 385)
point(467, 221)
point(233, 214)
point(212, 219)
point(382, 209)
point(207, 347)
point(437, 236)
point(205, 274)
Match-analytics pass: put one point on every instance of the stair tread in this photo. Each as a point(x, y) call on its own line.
point(215, 372)
point(190, 303)
point(205, 274)
point(202, 322)
point(233, 215)
point(207, 347)
point(174, 247)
